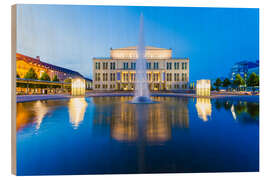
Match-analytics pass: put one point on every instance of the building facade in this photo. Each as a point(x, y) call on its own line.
point(24, 63)
point(244, 68)
point(36, 86)
point(117, 72)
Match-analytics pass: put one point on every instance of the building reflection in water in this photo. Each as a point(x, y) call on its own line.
point(152, 122)
point(204, 108)
point(124, 125)
point(31, 112)
point(76, 108)
point(242, 111)
point(34, 112)
point(41, 110)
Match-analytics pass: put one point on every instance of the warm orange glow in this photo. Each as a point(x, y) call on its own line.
point(35, 115)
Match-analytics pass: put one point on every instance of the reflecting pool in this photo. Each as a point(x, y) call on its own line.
point(100, 135)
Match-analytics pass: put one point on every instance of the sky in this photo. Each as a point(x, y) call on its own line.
point(70, 36)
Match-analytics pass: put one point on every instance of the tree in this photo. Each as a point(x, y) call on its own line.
point(238, 81)
point(211, 88)
point(217, 83)
point(67, 87)
point(55, 78)
point(226, 83)
point(17, 75)
point(253, 80)
point(45, 77)
point(31, 74)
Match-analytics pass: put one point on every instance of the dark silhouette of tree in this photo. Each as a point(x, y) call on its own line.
point(217, 84)
point(226, 83)
point(31, 74)
point(253, 109)
point(45, 77)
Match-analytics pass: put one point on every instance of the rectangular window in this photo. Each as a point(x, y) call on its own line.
point(133, 65)
point(148, 65)
point(97, 65)
point(183, 66)
point(155, 65)
point(169, 65)
point(111, 77)
point(118, 76)
point(105, 76)
point(176, 65)
point(184, 76)
point(112, 65)
point(169, 77)
point(163, 76)
point(125, 65)
point(97, 76)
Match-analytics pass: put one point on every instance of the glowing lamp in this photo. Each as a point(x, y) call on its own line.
point(78, 87)
point(203, 87)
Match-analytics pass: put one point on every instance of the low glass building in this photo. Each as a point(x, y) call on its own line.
point(244, 68)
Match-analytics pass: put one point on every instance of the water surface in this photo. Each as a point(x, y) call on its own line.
point(108, 135)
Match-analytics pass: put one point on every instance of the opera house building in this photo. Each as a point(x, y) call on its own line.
point(117, 72)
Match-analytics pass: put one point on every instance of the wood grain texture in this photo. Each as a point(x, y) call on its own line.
point(13, 87)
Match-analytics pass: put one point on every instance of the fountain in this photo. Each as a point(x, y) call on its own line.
point(142, 94)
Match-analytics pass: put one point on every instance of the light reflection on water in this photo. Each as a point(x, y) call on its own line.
point(76, 108)
point(181, 125)
point(204, 108)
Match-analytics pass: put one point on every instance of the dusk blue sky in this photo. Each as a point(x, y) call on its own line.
point(70, 36)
